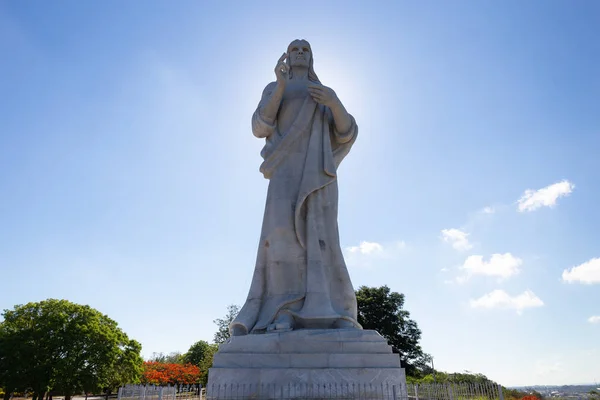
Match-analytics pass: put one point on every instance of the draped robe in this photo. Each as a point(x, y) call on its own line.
point(300, 269)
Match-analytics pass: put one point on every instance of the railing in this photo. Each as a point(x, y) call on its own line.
point(151, 392)
point(334, 391)
point(337, 391)
point(342, 391)
point(455, 391)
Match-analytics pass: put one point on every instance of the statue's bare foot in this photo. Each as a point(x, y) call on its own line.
point(344, 324)
point(238, 330)
point(283, 323)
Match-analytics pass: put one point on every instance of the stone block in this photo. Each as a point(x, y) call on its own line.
point(318, 364)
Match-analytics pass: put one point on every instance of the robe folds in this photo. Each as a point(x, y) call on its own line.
point(300, 269)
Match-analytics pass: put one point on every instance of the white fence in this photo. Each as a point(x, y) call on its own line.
point(344, 391)
point(446, 391)
point(455, 391)
point(151, 392)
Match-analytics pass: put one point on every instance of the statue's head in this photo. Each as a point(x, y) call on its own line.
point(300, 55)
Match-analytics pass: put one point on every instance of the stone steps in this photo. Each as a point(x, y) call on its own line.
point(347, 360)
point(306, 346)
point(309, 341)
point(305, 360)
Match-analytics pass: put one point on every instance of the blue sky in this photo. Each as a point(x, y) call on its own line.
point(129, 175)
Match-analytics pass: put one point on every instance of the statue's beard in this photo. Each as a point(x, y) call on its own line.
point(312, 76)
point(300, 64)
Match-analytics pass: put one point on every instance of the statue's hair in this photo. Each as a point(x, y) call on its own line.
point(312, 76)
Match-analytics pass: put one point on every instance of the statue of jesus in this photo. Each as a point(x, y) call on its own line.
point(300, 278)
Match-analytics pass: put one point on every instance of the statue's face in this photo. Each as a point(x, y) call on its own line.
point(299, 54)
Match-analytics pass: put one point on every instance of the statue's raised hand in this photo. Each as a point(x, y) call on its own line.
point(281, 70)
point(323, 95)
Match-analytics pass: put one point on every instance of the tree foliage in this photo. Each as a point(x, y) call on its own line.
point(127, 369)
point(174, 357)
point(222, 333)
point(66, 347)
point(457, 377)
point(196, 353)
point(207, 361)
point(157, 373)
point(382, 310)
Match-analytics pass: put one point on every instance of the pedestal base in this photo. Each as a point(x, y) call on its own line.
point(315, 363)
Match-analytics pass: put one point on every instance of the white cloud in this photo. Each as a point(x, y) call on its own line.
point(500, 265)
point(457, 238)
point(366, 248)
point(588, 272)
point(501, 299)
point(400, 244)
point(534, 199)
point(488, 210)
point(594, 319)
point(365, 253)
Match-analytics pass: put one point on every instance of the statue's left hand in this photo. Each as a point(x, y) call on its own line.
point(323, 95)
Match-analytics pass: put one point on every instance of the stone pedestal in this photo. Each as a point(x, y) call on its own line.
point(316, 363)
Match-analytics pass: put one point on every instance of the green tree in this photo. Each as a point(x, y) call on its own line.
point(15, 349)
point(196, 353)
point(456, 377)
point(174, 357)
point(26, 356)
point(127, 369)
point(222, 333)
point(382, 310)
point(65, 347)
point(206, 362)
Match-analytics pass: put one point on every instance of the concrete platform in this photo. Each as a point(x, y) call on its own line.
point(317, 363)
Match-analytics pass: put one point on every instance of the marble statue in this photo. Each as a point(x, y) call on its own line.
point(300, 278)
point(301, 296)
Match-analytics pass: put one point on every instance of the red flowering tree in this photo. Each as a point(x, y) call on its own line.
point(529, 397)
point(161, 374)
